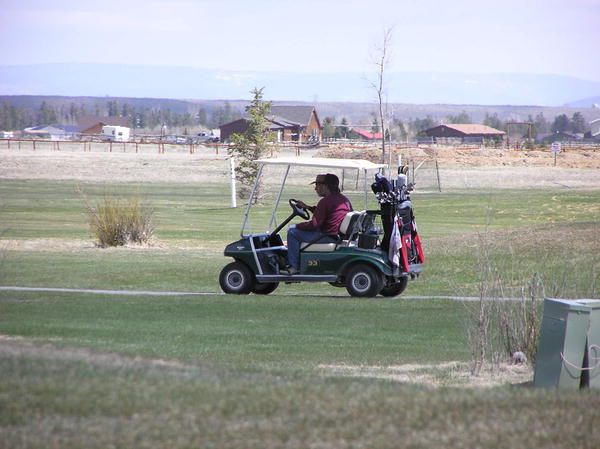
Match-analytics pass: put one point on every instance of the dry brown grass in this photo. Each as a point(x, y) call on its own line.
point(459, 168)
point(448, 374)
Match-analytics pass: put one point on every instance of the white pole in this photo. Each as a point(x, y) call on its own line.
point(233, 193)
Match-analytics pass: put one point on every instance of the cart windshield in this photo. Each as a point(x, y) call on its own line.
point(283, 178)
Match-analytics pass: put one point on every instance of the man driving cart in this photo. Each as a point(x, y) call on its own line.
point(324, 225)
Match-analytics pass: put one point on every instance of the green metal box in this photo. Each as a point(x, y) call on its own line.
point(562, 344)
point(592, 372)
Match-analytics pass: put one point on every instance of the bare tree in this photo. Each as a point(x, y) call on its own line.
point(381, 59)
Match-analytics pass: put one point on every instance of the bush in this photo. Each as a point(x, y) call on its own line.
point(498, 324)
point(120, 221)
point(520, 321)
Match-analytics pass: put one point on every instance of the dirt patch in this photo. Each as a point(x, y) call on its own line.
point(207, 247)
point(452, 157)
point(449, 374)
point(51, 245)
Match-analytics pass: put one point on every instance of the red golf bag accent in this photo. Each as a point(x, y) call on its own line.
point(417, 244)
point(412, 250)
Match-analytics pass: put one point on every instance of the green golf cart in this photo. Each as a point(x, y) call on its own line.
point(356, 260)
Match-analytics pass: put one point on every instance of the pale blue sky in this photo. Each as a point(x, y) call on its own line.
point(524, 36)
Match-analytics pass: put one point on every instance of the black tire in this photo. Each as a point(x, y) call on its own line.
point(363, 281)
point(264, 288)
point(236, 279)
point(395, 289)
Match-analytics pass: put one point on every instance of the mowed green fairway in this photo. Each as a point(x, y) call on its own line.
point(286, 370)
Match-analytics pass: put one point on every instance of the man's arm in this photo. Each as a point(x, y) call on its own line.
point(316, 222)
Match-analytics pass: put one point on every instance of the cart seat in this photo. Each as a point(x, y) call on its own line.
point(319, 247)
point(347, 228)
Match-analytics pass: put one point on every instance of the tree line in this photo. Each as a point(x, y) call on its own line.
point(153, 118)
point(140, 117)
point(413, 128)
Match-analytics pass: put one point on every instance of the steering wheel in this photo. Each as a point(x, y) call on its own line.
point(300, 211)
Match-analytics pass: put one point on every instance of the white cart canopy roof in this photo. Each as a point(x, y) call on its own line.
point(356, 164)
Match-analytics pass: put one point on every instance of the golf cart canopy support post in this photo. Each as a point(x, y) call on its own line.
point(351, 164)
point(273, 222)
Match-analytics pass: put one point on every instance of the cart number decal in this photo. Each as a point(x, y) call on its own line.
point(313, 263)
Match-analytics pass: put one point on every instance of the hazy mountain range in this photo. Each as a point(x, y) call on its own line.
point(194, 83)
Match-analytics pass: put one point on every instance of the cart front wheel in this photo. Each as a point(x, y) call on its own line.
point(364, 281)
point(236, 279)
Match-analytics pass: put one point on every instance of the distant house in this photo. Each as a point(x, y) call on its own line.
point(360, 134)
point(93, 124)
point(464, 133)
point(299, 123)
point(52, 132)
point(238, 126)
point(288, 123)
point(559, 136)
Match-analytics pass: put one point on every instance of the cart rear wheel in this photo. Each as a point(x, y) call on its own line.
point(264, 288)
point(237, 279)
point(395, 289)
point(363, 281)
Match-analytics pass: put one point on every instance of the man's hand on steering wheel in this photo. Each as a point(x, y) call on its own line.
point(300, 208)
point(303, 205)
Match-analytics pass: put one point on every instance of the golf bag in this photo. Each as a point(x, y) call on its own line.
point(400, 236)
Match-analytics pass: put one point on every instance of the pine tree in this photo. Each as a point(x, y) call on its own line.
point(328, 127)
point(493, 121)
point(578, 123)
point(462, 118)
point(344, 128)
point(47, 114)
point(375, 125)
point(201, 117)
point(251, 145)
point(561, 124)
point(540, 124)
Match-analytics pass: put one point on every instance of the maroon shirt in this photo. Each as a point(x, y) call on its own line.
point(328, 215)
